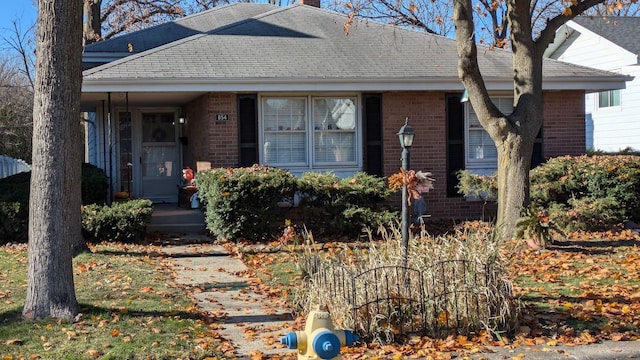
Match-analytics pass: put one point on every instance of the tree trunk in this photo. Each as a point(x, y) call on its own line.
point(54, 212)
point(92, 27)
point(513, 134)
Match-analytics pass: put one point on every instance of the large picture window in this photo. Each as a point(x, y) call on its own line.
point(309, 132)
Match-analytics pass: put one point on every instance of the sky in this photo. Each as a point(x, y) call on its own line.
point(22, 10)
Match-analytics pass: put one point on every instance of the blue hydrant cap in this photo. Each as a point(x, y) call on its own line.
point(290, 340)
point(350, 337)
point(326, 344)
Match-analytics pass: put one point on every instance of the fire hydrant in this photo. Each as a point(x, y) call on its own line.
point(319, 340)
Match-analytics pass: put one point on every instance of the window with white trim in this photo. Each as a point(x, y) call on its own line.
point(309, 132)
point(608, 98)
point(481, 152)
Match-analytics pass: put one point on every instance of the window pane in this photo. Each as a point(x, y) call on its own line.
point(284, 114)
point(284, 148)
point(329, 114)
point(481, 147)
point(284, 131)
point(158, 127)
point(334, 123)
point(615, 97)
point(603, 99)
point(334, 147)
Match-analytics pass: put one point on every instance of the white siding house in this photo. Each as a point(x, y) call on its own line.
point(612, 44)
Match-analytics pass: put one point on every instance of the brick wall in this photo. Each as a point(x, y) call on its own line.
point(563, 134)
point(209, 140)
point(564, 124)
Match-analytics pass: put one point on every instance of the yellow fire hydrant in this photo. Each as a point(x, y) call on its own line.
point(319, 340)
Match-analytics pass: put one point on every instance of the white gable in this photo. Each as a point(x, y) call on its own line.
point(577, 45)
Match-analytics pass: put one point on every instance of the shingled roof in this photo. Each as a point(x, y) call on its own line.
point(620, 30)
point(303, 47)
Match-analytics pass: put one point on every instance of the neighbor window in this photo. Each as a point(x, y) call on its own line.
point(309, 132)
point(609, 98)
point(481, 154)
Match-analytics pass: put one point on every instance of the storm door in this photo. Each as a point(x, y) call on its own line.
point(159, 156)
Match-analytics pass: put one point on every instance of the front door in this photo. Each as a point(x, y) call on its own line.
point(159, 158)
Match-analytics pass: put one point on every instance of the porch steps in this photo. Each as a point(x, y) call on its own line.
point(171, 219)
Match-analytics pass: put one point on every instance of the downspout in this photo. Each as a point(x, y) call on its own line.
point(104, 142)
point(109, 200)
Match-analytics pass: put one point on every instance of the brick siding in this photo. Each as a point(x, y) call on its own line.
point(564, 133)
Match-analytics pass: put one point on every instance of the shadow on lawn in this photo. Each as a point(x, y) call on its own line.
point(593, 247)
point(89, 311)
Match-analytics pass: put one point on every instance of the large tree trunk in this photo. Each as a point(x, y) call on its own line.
point(513, 134)
point(54, 211)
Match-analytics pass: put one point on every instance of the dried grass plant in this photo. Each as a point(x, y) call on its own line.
point(451, 284)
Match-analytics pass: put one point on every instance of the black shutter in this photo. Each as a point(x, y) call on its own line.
point(372, 119)
point(455, 142)
point(537, 157)
point(248, 129)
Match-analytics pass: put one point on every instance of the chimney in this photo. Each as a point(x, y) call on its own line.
point(315, 3)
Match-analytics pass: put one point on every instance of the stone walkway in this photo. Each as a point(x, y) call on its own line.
point(221, 287)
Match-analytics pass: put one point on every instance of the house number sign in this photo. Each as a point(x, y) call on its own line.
point(222, 117)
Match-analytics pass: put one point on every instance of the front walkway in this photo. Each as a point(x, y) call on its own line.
point(222, 286)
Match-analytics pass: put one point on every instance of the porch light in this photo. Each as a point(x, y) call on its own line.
point(406, 135)
point(182, 119)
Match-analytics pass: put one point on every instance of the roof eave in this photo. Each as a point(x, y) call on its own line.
point(338, 84)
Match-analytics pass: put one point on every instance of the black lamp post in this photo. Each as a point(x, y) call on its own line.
point(406, 141)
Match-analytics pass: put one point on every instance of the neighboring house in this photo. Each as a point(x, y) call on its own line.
point(287, 87)
point(612, 44)
point(10, 166)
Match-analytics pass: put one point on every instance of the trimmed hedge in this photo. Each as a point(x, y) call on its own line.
point(122, 221)
point(333, 206)
point(243, 202)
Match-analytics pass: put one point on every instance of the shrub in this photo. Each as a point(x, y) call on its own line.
point(13, 222)
point(122, 221)
point(588, 192)
point(471, 185)
point(343, 206)
point(95, 184)
point(243, 202)
point(14, 200)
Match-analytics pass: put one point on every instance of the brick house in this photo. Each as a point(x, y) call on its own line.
point(289, 87)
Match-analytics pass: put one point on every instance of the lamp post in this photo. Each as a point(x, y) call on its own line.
point(406, 141)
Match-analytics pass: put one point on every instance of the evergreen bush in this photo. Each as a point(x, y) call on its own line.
point(333, 206)
point(588, 192)
point(122, 221)
point(243, 202)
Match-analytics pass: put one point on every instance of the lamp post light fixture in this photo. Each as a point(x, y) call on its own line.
point(406, 141)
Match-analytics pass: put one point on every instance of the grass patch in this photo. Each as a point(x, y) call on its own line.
point(130, 310)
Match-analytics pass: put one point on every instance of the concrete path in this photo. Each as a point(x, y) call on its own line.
point(222, 288)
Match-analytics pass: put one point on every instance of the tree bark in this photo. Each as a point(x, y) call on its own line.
point(54, 212)
point(513, 134)
point(92, 27)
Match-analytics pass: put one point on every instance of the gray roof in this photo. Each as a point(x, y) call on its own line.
point(621, 30)
point(304, 44)
point(162, 34)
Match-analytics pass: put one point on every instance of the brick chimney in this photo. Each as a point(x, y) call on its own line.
point(315, 3)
